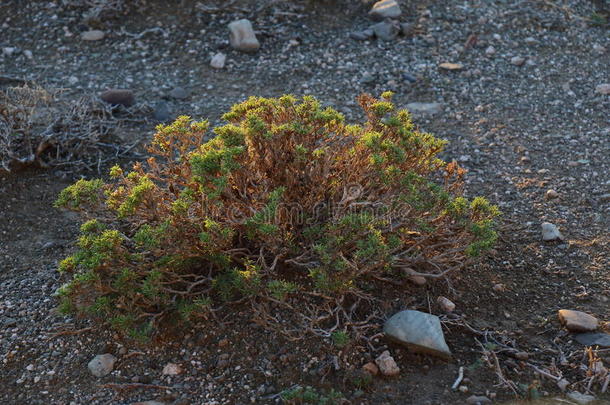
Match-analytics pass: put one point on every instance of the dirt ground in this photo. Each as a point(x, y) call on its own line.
point(520, 130)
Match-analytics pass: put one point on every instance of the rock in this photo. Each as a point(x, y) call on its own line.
point(424, 108)
point(218, 60)
point(178, 93)
point(463, 389)
point(9, 322)
point(362, 35)
point(563, 384)
point(409, 77)
point(499, 287)
point(371, 368)
point(387, 365)
point(102, 365)
point(242, 37)
point(550, 232)
point(8, 51)
point(118, 97)
point(451, 66)
point(604, 198)
point(385, 30)
point(517, 60)
point(93, 35)
point(551, 194)
point(28, 54)
point(367, 78)
point(581, 399)
point(419, 331)
point(445, 304)
point(171, 369)
point(603, 88)
point(407, 29)
point(385, 9)
point(576, 321)
point(593, 339)
point(478, 400)
point(417, 280)
point(530, 40)
point(162, 112)
point(490, 51)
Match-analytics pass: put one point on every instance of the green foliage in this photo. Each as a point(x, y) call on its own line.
point(287, 204)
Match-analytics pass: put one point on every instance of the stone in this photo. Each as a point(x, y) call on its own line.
point(445, 304)
point(551, 194)
point(93, 35)
point(530, 40)
point(118, 97)
point(478, 400)
point(451, 66)
point(490, 51)
point(417, 280)
point(576, 321)
point(242, 37)
point(407, 29)
point(387, 365)
point(550, 232)
point(604, 198)
point(424, 108)
point(362, 35)
point(385, 9)
point(563, 384)
point(581, 399)
point(102, 365)
point(385, 30)
point(517, 60)
point(371, 368)
point(499, 287)
point(178, 93)
point(171, 369)
point(28, 54)
point(8, 51)
point(603, 88)
point(463, 389)
point(593, 339)
point(218, 60)
point(409, 77)
point(419, 331)
point(162, 112)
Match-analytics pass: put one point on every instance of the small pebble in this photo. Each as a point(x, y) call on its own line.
point(551, 194)
point(517, 60)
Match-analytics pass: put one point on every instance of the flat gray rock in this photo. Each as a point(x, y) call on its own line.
point(593, 339)
point(242, 37)
point(576, 321)
point(419, 331)
point(385, 9)
point(102, 365)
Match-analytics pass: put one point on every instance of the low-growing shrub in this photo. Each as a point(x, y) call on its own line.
point(288, 207)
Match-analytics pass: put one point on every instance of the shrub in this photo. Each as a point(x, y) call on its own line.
point(288, 206)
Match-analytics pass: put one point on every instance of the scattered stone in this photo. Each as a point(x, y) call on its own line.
point(385, 30)
point(9, 322)
point(367, 78)
point(417, 280)
point(522, 356)
point(451, 66)
point(419, 331)
point(530, 40)
point(162, 112)
point(490, 51)
point(93, 35)
point(517, 60)
point(223, 342)
point(576, 321)
point(242, 37)
point(551, 194)
point(387, 365)
point(371, 368)
point(218, 60)
point(385, 9)
point(550, 232)
point(463, 389)
point(172, 369)
point(8, 51)
point(118, 97)
point(478, 400)
point(409, 77)
point(28, 54)
point(102, 365)
point(178, 93)
point(499, 287)
point(581, 399)
point(407, 29)
point(603, 88)
point(425, 108)
point(446, 304)
point(593, 339)
point(604, 198)
point(563, 384)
